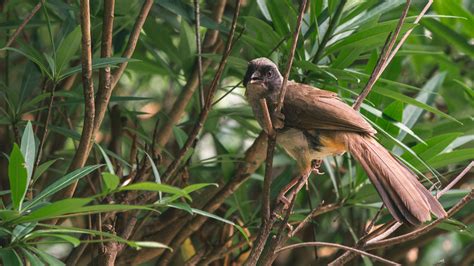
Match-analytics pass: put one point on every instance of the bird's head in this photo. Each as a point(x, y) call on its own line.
point(263, 73)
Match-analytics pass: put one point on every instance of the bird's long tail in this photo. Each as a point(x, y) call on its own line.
point(405, 197)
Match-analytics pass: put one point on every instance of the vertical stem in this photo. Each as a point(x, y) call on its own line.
point(267, 223)
point(199, 51)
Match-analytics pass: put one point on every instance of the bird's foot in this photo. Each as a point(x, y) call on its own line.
point(315, 165)
point(283, 199)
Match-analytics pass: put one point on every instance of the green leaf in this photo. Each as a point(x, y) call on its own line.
point(189, 189)
point(407, 99)
point(149, 186)
point(155, 173)
point(96, 64)
point(62, 183)
point(28, 149)
point(109, 164)
point(181, 206)
point(195, 187)
point(22, 229)
point(187, 44)
point(218, 218)
point(34, 56)
point(32, 258)
point(399, 125)
point(54, 210)
point(49, 259)
point(450, 36)
point(151, 244)
point(42, 168)
point(7, 215)
point(67, 49)
point(10, 257)
point(434, 145)
point(411, 114)
point(454, 157)
point(70, 239)
point(180, 136)
point(263, 7)
point(18, 177)
point(111, 181)
point(99, 208)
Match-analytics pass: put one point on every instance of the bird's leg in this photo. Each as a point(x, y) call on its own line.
point(282, 197)
point(315, 165)
point(293, 182)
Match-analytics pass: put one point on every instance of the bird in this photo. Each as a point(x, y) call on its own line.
point(316, 123)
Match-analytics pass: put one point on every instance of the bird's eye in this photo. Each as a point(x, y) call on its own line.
point(269, 74)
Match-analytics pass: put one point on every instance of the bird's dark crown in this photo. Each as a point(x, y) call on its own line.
point(263, 71)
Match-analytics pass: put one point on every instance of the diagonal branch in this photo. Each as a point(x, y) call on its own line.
point(326, 244)
point(385, 58)
point(375, 238)
point(23, 24)
point(170, 171)
point(93, 120)
point(210, 45)
point(423, 230)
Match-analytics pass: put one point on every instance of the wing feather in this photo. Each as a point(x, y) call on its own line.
point(306, 107)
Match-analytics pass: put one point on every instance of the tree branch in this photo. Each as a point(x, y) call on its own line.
point(423, 230)
point(326, 244)
point(384, 59)
point(133, 40)
point(170, 171)
point(105, 76)
point(210, 45)
point(85, 143)
point(23, 24)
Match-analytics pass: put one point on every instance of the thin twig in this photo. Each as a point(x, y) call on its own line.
point(170, 171)
point(133, 40)
point(438, 195)
point(314, 213)
point(267, 119)
point(45, 130)
point(384, 59)
point(291, 56)
point(456, 180)
point(328, 34)
point(211, 44)
point(23, 24)
point(253, 158)
point(423, 230)
point(326, 244)
point(378, 238)
point(197, 24)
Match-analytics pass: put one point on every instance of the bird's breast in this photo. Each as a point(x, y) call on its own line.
point(307, 145)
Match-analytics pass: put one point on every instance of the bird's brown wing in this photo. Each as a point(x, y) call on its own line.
point(306, 107)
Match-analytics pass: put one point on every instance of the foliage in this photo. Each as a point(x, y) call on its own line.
point(422, 107)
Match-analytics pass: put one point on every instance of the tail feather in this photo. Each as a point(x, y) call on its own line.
point(405, 197)
point(435, 206)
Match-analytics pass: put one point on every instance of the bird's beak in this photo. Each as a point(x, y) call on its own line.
point(256, 78)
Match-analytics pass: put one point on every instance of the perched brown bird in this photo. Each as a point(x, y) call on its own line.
point(316, 124)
